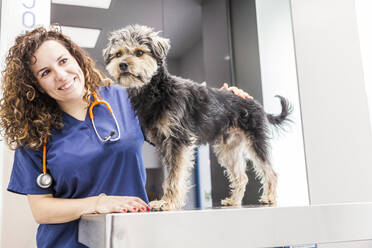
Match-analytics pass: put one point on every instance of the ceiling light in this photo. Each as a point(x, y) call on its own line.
point(84, 37)
point(103, 4)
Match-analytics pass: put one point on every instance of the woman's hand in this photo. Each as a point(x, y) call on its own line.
point(236, 91)
point(49, 210)
point(118, 204)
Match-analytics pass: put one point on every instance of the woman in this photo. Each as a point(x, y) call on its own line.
point(47, 88)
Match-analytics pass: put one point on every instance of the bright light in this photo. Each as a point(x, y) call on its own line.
point(103, 4)
point(84, 37)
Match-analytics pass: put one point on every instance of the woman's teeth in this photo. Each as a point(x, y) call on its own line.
point(66, 85)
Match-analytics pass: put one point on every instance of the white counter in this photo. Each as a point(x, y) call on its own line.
point(230, 227)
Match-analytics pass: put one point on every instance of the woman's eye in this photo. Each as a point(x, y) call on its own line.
point(44, 73)
point(118, 55)
point(63, 61)
point(138, 53)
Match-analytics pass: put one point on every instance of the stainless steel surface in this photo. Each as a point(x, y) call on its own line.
point(230, 227)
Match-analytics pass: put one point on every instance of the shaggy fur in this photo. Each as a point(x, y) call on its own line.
point(177, 115)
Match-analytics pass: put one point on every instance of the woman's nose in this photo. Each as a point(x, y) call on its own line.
point(60, 74)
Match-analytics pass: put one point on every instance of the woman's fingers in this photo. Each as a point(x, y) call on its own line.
point(236, 91)
point(123, 208)
point(120, 204)
point(239, 92)
point(135, 204)
point(138, 205)
point(140, 201)
point(225, 86)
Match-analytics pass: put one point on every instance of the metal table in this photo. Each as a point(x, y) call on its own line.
point(230, 227)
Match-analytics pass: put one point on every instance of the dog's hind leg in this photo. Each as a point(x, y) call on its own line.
point(258, 154)
point(179, 160)
point(229, 150)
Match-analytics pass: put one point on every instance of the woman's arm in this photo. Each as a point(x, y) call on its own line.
point(49, 210)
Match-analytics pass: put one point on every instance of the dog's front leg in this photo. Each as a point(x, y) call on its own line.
point(179, 160)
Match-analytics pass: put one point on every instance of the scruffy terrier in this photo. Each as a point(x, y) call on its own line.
point(177, 115)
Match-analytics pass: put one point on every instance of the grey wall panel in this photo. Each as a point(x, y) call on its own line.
point(245, 47)
point(192, 63)
point(215, 42)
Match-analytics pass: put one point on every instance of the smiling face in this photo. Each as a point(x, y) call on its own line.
point(58, 73)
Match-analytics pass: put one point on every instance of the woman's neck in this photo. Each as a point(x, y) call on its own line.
point(77, 109)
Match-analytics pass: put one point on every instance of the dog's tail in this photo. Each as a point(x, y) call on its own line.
point(287, 109)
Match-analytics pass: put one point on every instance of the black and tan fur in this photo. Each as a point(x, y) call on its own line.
point(177, 115)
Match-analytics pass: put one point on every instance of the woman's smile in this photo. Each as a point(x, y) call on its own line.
point(67, 85)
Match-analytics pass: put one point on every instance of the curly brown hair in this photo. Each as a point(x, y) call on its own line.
point(26, 113)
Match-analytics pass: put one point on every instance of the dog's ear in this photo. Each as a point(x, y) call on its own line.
point(106, 54)
point(160, 46)
point(107, 50)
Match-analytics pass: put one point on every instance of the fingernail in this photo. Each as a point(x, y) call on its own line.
point(134, 209)
point(143, 209)
point(124, 210)
point(148, 209)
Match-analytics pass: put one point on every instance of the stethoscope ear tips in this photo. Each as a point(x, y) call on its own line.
point(44, 180)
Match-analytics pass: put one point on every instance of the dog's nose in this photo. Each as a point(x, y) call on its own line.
point(123, 66)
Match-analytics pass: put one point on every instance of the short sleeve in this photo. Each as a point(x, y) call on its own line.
point(27, 167)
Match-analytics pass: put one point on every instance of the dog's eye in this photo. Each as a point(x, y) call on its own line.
point(138, 53)
point(118, 54)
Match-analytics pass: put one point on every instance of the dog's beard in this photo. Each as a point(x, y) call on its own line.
point(129, 80)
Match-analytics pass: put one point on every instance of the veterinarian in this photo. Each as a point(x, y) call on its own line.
point(91, 165)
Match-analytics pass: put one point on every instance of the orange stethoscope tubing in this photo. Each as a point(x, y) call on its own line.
point(44, 180)
point(44, 154)
point(97, 101)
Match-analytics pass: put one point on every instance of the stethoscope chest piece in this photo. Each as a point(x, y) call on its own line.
point(44, 180)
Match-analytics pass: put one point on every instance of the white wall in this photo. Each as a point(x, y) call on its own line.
point(364, 20)
point(278, 73)
point(17, 225)
point(336, 124)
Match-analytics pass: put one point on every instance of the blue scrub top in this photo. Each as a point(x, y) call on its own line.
point(82, 166)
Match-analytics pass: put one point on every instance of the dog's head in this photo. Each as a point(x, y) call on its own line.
point(134, 53)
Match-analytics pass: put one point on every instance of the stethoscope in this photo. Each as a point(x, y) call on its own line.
point(45, 180)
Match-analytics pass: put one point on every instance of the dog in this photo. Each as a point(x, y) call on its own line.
point(177, 114)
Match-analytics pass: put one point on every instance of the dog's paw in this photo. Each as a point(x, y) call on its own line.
point(268, 200)
point(230, 202)
point(160, 205)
